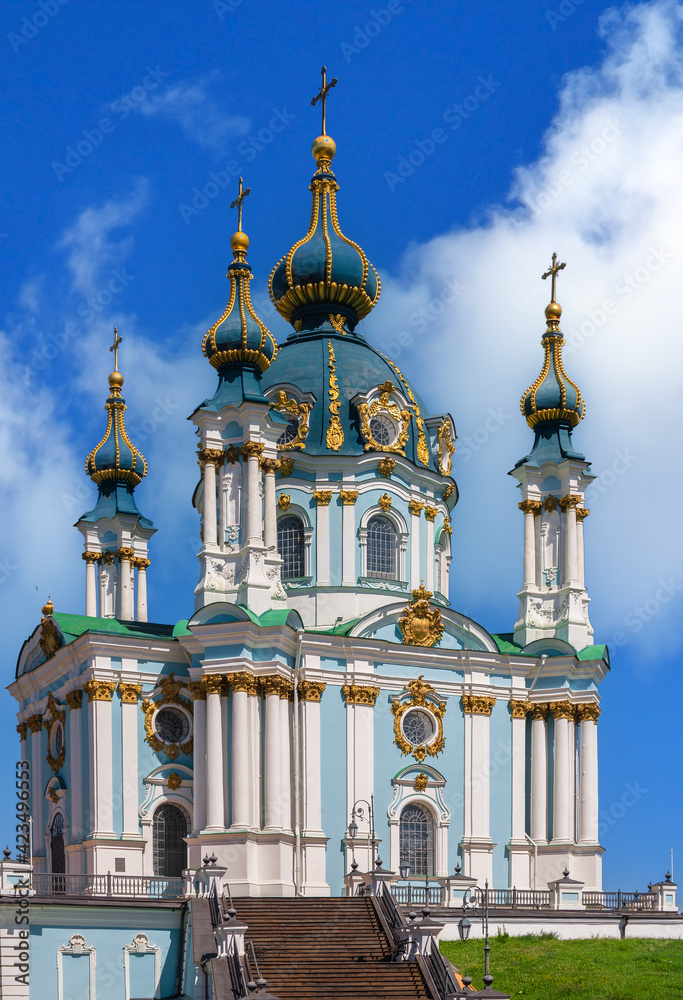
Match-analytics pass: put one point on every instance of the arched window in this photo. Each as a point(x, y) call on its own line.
point(417, 841)
point(170, 826)
point(382, 549)
point(57, 845)
point(290, 545)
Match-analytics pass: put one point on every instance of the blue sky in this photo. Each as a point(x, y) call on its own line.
point(473, 141)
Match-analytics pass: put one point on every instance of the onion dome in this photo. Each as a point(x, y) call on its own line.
point(239, 336)
point(325, 274)
point(115, 458)
point(553, 398)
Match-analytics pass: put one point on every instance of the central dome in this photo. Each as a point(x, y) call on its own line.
point(325, 274)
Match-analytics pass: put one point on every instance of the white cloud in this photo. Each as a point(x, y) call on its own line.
point(89, 240)
point(190, 105)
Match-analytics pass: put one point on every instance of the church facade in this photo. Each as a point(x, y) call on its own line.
point(322, 703)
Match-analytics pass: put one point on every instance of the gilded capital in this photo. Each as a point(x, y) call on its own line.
point(74, 699)
point(562, 710)
point(35, 723)
point(530, 507)
point(588, 712)
point(198, 689)
point(141, 563)
point(287, 690)
point(242, 681)
point(125, 552)
point(213, 684)
point(270, 465)
point(360, 694)
point(253, 449)
point(582, 512)
point(212, 455)
point(99, 690)
point(108, 557)
point(430, 513)
point(272, 684)
point(386, 467)
point(473, 704)
point(311, 690)
point(322, 497)
point(129, 693)
point(415, 507)
point(539, 710)
point(519, 709)
point(348, 497)
point(22, 729)
point(571, 500)
point(91, 557)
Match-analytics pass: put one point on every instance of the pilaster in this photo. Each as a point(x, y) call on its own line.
point(129, 746)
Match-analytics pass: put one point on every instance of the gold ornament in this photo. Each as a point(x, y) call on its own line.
point(232, 454)
point(419, 694)
point(283, 501)
point(421, 781)
point(519, 709)
point(562, 710)
point(170, 695)
point(386, 467)
point(99, 690)
point(22, 729)
point(57, 718)
point(385, 502)
point(337, 322)
point(421, 625)
point(550, 504)
point(174, 781)
point(286, 466)
point(299, 410)
point(360, 694)
point(415, 507)
point(582, 512)
point(571, 500)
point(384, 405)
point(422, 448)
point(129, 693)
point(588, 712)
point(430, 513)
point(348, 497)
point(74, 699)
point(322, 497)
point(449, 491)
point(34, 723)
point(311, 690)
point(334, 438)
point(51, 638)
point(252, 449)
point(473, 704)
point(530, 507)
point(447, 524)
point(539, 710)
point(446, 448)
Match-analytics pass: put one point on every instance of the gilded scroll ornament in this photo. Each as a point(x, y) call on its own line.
point(348, 497)
point(418, 694)
point(99, 690)
point(430, 512)
point(415, 507)
point(311, 690)
point(334, 438)
point(22, 729)
point(384, 405)
point(448, 491)
point(170, 695)
point(447, 526)
point(283, 501)
point(322, 497)
point(34, 723)
point(446, 448)
point(385, 502)
point(286, 466)
point(174, 781)
point(301, 411)
point(421, 781)
point(473, 704)
point(129, 693)
point(519, 709)
point(50, 637)
point(74, 699)
point(422, 447)
point(421, 624)
point(57, 717)
point(550, 504)
point(360, 694)
point(386, 467)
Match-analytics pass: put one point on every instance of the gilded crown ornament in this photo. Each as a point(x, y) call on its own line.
point(239, 336)
point(421, 624)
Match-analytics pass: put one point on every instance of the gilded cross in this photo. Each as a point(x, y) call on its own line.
point(554, 269)
point(115, 348)
point(238, 201)
point(322, 96)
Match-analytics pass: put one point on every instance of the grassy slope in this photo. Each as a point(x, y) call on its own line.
point(539, 968)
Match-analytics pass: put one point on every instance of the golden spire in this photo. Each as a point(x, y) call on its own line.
point(322, 95)
point(553, 309)
point(238, 201)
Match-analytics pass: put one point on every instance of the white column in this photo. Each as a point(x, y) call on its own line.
point(254, 518)
point(270, 504)
point(415, 546)
point(360, 713)
point(518, 740)
point(214, 754)
point(481, 769)
point(589, 773)
point(209, 457)
point(286, 757)
point(108, 586)
point(142, 565)
point(349, 537)
point(310, 694)
point(562, 783)
point(430, 553)
point(272, 752)
point(199, 757)
point(221, 506)
point(35, 725)
point(322, 530)
point(225, 728)
point(101, 755)
point(529, 508)
point(90, 583)
point(125, 590)
point(129, 746)
point(254, 705)
point(581, 514)
point(240, 753)
point(539, 773)
point(568, 504)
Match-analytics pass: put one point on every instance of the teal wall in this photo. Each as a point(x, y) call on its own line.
point(500, 789)
point(333, 783)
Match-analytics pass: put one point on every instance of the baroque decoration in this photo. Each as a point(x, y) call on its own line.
point(422, 447)
point(299, 410)
point(421, 624)
point(170, 695)
point(50, 637)
point(360, 694)
point(334, 438)
point(421, 781)
point(422, 695)
point(52, 725)
point(386, 467)
point(446, 448)
point(384, 405)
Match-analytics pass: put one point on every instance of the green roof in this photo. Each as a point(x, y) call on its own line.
point(599, 652)
point(72, 626)
point(505, 643)
point(343, 629)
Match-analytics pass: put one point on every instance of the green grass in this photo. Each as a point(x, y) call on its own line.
point(540, 967)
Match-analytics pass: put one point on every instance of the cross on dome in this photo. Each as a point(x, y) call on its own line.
point(238, 201)
point(553, 271)
point(322, 95)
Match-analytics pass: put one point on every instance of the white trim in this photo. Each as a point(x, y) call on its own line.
point(76, 946)
point(300, 512)
point(141, 946)
point(432, 800)
point(402, 534)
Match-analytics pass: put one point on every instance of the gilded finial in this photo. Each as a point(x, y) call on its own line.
point(322, 94)
point(116, 378)
point(239, 241)
point(324, 147)
point(49, 608)
point(553, 309)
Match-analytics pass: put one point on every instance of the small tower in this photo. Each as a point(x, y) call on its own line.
point(115, 532)
point(238, 453)
point(553, 601)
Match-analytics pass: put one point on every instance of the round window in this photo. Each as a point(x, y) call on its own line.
point(290, 432)
point(383, 430)
point(418, 727)
point(171, 725)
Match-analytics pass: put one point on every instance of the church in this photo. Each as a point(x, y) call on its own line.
point(322, 704)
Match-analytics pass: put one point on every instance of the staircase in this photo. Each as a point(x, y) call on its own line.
point(311, 949)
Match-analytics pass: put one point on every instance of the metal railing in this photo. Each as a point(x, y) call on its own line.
point(514, 898)
point(419, 895)
point(117, 886)
point(620, 900)
point(441, 971)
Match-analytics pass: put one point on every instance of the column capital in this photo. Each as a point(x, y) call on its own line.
point(272, 684)
point(519, 709)
point(22, 729)
point(287, 690)
point(74, 699)
point(473, 704)
point(213, 684)
point(270, 465)
point(587, 712)
point(35, 723)
point(125, 552)
point(242, 681)
point(563, 710)
point(530, 507)
point(430, 513)
point(99, 690)
point(348, 497)
point(322, 497)
point(253, 449)
point(212, 455)
point(198, 689)
point(91, 557)
point(539, 710)
point(140, 562)
point(570, 500)
point(582, 512)
point(311, 690)
point(129, 693)
point(415, 507)
point(360, 694)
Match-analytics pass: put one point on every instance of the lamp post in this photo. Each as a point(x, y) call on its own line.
point(359, 809)
point(464, 925)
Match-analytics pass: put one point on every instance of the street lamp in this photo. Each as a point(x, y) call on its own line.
point(464, 926)
point(359, 810)
point(404, 869)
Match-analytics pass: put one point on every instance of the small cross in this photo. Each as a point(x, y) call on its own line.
point(238, 201)
point(115, 348)
point(554, 269)
point(322, 96)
